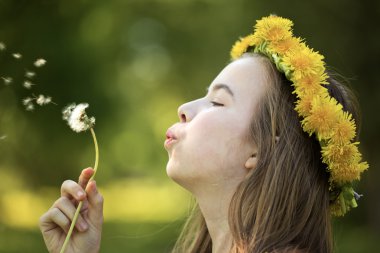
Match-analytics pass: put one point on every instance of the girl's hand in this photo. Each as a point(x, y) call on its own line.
point(55, 223)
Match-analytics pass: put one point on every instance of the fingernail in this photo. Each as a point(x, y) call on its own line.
point(80, 194)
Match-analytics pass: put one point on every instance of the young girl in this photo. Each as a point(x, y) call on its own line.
point(269, 155)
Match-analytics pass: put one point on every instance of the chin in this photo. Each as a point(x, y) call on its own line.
point(178, 175)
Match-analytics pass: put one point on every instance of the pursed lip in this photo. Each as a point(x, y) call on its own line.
point(170, 138)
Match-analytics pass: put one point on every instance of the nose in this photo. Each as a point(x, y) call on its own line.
point(183, 113)
point(187, 111)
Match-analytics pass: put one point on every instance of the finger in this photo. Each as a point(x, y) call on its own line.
point(68, 209)
point(53, 218)
point(85, 177)
point(71, 189)
point(95, 202)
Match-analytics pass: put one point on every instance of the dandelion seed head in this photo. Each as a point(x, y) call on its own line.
point(67, 111)
point(76, 117)
point(3, 137)
point(30, 74)
point(7, 80)
point(39, 62)
point(28, 84)
point(2, 46)
point(17, 56)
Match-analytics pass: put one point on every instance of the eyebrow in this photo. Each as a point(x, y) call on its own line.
point(221, 86)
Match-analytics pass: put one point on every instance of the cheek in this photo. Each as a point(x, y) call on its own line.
point(216, 141)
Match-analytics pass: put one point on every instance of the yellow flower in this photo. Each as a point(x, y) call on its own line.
point(311, 83)
point(345, 130)
point(323, 116)
point(345, 173)
point(241, 46)
point(283, 46)
point(273, 28)
point(303, 106)
point(340, 153)
point(344, 162)
point(304, 62)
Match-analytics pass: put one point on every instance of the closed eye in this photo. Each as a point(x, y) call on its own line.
point(216, 103)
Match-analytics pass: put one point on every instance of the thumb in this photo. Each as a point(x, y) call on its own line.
point(95, 202)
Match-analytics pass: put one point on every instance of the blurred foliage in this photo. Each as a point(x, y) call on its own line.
point(135, 62)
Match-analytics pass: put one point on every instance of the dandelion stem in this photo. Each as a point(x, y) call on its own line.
point(96, 152)
point(81, 202)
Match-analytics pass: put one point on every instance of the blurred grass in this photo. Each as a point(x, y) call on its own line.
point(159, 237)
point(117, 237)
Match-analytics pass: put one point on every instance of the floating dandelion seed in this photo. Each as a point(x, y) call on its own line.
point(29, 74)
point(30, 107)
point(2, 46)
point(3, 137)
point(39, 62)
point(42, 100)
point(77, 119)
point(27, 100)
point(28, 84)
point(17, 56)
point(39, 100)
point(7, 80)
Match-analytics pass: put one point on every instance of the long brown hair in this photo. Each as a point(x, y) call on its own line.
point(283, 204)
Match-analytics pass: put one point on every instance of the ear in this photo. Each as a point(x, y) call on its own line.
point(251, 163)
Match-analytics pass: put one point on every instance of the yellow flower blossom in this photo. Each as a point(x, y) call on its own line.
point(241, 46)
point(304, 62)
point(344, 162)
point(303, 106)
point(273, 28)
point(323, 115)
point(344, 130)
point(283, 46)
point(340, 153)
point(311, 83)
point(348, 172)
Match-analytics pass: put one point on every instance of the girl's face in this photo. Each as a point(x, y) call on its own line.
point(211, 145)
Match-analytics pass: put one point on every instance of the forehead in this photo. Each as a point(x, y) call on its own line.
point(246, 77)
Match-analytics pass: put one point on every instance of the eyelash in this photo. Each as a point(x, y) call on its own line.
point(216, 104)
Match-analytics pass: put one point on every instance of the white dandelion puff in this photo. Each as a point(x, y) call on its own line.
point(3, 137)
point(28, 84)
point(67, 111)
point(39, 62)
point(7, 80)
point(76, 117)
point(2, 46)
point(29, 74)
point(17, 56)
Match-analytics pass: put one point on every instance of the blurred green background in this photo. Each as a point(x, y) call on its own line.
point(135, 62)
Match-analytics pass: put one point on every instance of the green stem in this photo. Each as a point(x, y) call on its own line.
point(81, 202)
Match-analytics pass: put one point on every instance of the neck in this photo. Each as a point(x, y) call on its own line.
point(214, 203)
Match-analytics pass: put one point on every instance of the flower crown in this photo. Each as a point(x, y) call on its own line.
point(320, 113)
